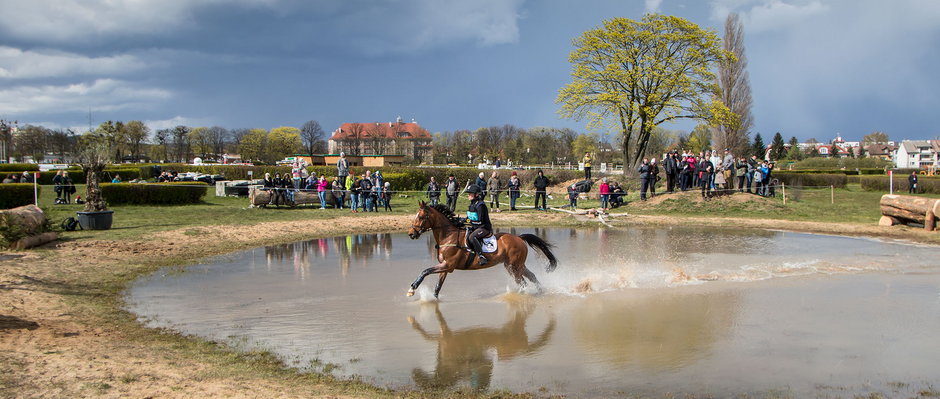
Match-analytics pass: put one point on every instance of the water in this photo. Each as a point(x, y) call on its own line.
point(648, 311)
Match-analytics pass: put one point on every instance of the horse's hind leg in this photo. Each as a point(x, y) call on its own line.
point(440, 283)
point(531, 276)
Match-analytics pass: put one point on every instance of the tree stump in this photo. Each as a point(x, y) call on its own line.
point(259, 197)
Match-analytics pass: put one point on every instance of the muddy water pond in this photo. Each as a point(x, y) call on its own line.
point(641, 311)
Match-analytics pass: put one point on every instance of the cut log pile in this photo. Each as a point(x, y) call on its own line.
point(259, 197)
point(25, 227)
point(906, 209)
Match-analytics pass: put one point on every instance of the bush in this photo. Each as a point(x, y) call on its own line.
point(13, 195)
point(839, 163)
point(811, 180)
point(18, 167)
point(153, 194)
point(925, 184)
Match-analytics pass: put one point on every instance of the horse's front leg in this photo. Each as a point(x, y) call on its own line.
point(424, 273)
point(440, 282)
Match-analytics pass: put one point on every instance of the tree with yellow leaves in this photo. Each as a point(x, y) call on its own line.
point(636, 75)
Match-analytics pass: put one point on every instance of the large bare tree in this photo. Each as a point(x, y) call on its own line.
point(313, 136)
point(735, 86)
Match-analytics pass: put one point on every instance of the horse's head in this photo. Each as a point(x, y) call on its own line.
point(422, 221)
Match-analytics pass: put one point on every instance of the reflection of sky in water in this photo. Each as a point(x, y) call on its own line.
point(667, 318)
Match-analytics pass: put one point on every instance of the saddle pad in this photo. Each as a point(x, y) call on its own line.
point(489, 244)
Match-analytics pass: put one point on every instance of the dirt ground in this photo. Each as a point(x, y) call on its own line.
point(54, 343)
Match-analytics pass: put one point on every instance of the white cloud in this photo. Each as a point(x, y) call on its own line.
point(65, 21)
point(101, 95)
point(20, 64)
point(175, 121)
point(767, 15)
point(652, 6)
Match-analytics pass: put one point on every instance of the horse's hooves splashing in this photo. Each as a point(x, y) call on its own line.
point(410, 292)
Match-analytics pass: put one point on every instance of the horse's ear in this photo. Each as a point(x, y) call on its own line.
point(422, 204)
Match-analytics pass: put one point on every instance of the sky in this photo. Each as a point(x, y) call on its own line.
point(818, 68)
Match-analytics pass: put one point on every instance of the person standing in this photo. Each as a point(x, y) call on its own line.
point(378, 184)
point(540, 183)
point(752, 166)
point(604, 190)
point(68, 187)
point(706, 168)
point(339, 193)
point(514, 185)
point(481, 183)
point(573, 196)
point(452, 191)
point(433, 191)
point(322, 186)
point(644, 171)
point(671, 167)
point(498, 163)
point(587, 165)
point(727, 167)
point(387, 196)
point(352, 185)
point(912, 183)
point(493, 185)
point(365, 192)
point(740, 171)
point(57, 182)
point(654, 177)
point(342, 168)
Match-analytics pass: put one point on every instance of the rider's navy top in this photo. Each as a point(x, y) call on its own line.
point(479, 215)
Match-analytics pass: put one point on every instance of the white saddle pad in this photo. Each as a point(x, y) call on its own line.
point(489, 244)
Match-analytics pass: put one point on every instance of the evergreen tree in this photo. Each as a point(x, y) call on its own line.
point(758, 148)
point(777, 147)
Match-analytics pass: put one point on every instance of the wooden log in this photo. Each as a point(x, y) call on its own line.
point(35, 241)
point(909, 203)
point(888, 221)
point(930, 221)
point(904, 214)
point(29, 218)
point(258, 197)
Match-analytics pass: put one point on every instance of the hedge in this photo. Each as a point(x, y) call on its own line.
point(925, 184)
point(17, 167)
point(13, 195)
point(811, 180)
point(153, 193)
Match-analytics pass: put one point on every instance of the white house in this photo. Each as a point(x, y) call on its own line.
point(917, 154)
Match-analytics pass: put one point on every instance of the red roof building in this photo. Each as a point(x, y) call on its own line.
point(389, 138)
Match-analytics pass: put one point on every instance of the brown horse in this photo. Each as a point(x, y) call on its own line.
point(452, 251)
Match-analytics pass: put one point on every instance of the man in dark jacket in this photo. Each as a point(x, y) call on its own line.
point(644, 171)
point(671, 167)
point(912, 183)
point(706, 168)
point(479, 217)
point(453, 190)
point(433, 191)
point(481, 183)
point(540, 183)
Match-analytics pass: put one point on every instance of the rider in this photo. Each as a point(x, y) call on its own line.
point(479, 218)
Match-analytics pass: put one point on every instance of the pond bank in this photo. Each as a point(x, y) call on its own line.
point(63, 332)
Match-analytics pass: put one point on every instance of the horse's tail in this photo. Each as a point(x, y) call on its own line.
point(537, 242)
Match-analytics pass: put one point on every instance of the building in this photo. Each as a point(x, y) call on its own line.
point(918, 154)
point(369, 161)
point(397, 138)
point(882, 151)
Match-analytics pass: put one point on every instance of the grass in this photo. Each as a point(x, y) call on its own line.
point(95, 294)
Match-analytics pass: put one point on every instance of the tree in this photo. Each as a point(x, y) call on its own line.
point(375, 138)
point(253, 145)
point(795, 153)
point(584, 143)
point(735, 90)
point(777, 147)
point(180, 142)
point(313, 136)
point(199, 141)
point(217, 136)
point(31, 141)
point(875, 138)
point(283, 141)
point(758, 148)
point(700, 139)
point(356, 136)
point(136, 133)
point(162, 139)
point(812, 140)
point(637, 75)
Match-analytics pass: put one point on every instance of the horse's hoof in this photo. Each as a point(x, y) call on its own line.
point(410, 293)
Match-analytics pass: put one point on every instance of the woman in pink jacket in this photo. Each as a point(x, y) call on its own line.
point(322, 184)
point(604, 190)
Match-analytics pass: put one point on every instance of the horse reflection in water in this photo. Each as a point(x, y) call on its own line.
point(464, 355)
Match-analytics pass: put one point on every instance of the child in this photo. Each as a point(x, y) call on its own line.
point(573, 197)
point(387, 196)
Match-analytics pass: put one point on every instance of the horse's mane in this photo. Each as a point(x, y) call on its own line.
point(451, 217)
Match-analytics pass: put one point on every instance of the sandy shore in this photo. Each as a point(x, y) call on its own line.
point(63, 333)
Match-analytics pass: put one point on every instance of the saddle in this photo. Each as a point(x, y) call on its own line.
point(489, 242)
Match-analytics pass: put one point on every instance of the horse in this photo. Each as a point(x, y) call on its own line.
point(452, 252)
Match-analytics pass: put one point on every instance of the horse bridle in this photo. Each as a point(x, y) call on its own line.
point(420, 229)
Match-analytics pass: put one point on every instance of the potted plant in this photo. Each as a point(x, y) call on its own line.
point(95, 150)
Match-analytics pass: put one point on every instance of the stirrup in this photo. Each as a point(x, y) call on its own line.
point(483, 259)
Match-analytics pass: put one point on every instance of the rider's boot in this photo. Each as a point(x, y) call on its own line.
point(478, 251)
